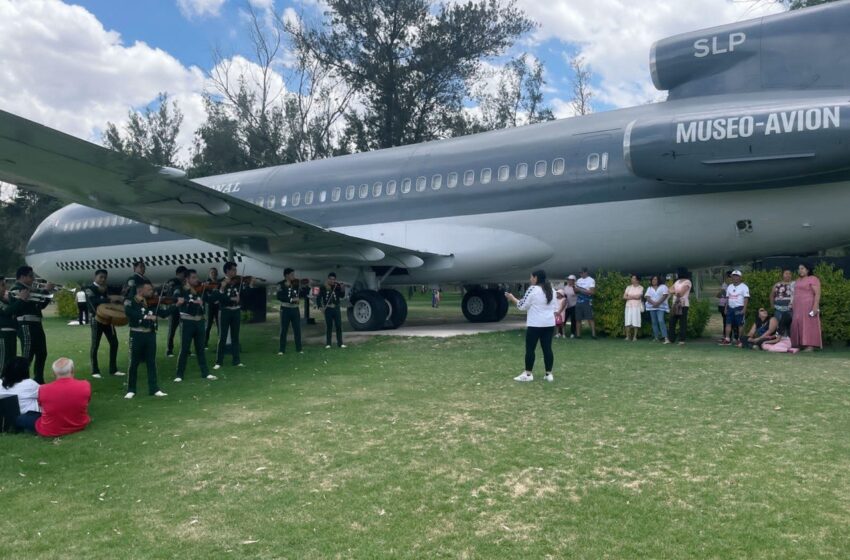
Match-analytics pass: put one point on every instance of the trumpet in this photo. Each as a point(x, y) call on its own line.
point(41, 298)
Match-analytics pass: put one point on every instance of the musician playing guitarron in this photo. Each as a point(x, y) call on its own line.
point(96, 295)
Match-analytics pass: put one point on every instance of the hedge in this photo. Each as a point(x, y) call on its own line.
point(66, 304)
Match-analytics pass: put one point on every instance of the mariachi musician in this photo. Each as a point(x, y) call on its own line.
point(212, 283)
point(174, 319)
point(289, 294)
point(194, 297)
point(142, 311)
point(137, 278)
point(230, 316)
point(8, 329)
point(330, 302)
point(28, 302)
point(95, 296)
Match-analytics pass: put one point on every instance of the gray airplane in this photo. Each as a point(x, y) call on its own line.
point(749, 156)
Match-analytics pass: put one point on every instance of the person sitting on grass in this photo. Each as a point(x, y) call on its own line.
point(64, 403)
point(16, 381)
point(762, 330)
point(780, 342)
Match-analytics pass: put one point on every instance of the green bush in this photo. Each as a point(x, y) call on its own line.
point(66, 304)
point(609, 307)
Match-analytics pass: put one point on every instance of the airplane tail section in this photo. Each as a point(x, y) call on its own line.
point(807, 49)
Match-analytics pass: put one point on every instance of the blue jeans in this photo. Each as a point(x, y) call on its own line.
point(26, 421)
point(659, 327)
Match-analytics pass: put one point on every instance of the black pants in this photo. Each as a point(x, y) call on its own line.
point(333, 317)
point(544, 335)
point(8, 347)
point(173, 323)
point(570, 315)
point(192, 332)
point(142, 349)
point(722, 310)
point(83, 313)
point(290, 316)
point(34, 348)
point(26, 421)
point(682, 322)
point(99, 330)
point(229, 321)
point(212, 317)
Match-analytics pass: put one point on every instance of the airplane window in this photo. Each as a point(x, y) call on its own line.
point(90, 224)
point(452, 180)
point(377, 189)
point(540, 169)
point(283, 201)
point(100, 222)
point(486, 174)
point(558, 166)
point(114, 221)
point(364, 191)
point(405, 186)
point(296, 199)
point(604, 161)
point(349, 192)
point(308, 197)
point(504, 173)
point(335, 194)
point(323, 196)
point(593, 162)
point(522, 170)
point(436, 182)
point(261, 201)
point(272, 200)
point(391, 188)
point(468, 178)
point(420, 184)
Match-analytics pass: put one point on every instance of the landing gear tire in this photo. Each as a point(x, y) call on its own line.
point(368, 311)
point(501, 304)
point(397, 313)
point(479, 306)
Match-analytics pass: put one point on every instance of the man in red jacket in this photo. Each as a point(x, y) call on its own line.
point(64, 403)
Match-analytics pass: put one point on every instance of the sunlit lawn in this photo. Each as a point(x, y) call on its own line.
point(424, 448)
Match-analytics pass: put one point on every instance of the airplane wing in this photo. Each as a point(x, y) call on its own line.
point(47, 161)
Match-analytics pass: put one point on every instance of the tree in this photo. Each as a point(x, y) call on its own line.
point(582, 94)
point(518, 99)
point(800, 4)
point(151, 135)
point(217, 148)
point(20, 213)
point(411, 61)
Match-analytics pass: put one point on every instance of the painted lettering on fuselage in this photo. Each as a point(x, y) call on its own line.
point(780, 122)
point(719, 44)
point(226, 188)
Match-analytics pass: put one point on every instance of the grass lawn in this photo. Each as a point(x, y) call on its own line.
point(426, 448)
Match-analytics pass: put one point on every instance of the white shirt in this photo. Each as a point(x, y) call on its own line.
point(541, 313)
point(656, 294)
point(81, 297)
point(735, 294)
point(27, 393)
point(586, 283)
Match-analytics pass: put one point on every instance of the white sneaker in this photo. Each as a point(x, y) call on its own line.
point(96, 375)
point(548, 377)
point(119, 374)
point(343, 346)
point(240, 364)
point(129, 395)
point(280, 353)
point(160, 394)
point(572, 336)
point(524, 376)
point(211, 377)
point(217, 366)
point(178, 379)
point(328, 346)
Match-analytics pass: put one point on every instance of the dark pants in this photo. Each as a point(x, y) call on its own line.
point(544, 335)
point(722, 310)
point(142, 349)
point(212, 317)
point(192, 331)
point(229, 321)
point(333, 317)
point(83, 313)
point(682, 322)
point(8, 347)
point(173, 323)
point(290, 315)
point(99, 330)
point(570, 315)
point(26, 421)
point(34, 348)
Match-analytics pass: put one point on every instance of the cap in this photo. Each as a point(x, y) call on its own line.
point(736, 273)
point(571, 277)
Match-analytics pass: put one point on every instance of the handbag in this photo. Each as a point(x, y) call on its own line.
point(559, 320)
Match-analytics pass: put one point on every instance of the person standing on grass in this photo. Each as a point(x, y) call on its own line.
point(330, 299)
point(681, 295)
point(83, 316)
point(568, 304)
point(782, 295)
point(721, 297)
point(805, 327)
point(738, 296)
point(633, 296)
point(656, 303)
point(8, 328)
point(585, 289)
point(289, 294)
point(540, 303)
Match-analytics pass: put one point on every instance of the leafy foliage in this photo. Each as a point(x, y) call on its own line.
point(151, 134)
point(20, 215)
point(66, 304)
point(519, 98)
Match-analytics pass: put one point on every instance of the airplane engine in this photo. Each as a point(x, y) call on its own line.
point(788, 141)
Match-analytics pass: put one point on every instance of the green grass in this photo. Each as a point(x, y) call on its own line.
point(424, 448)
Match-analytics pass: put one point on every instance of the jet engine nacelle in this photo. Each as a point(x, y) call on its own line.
point(741, 146)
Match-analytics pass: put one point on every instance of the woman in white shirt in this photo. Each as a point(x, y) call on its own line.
point(16, 381)
point(542, 306)
point(656, 303)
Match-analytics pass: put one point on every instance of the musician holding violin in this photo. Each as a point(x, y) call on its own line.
point(174, 319)
point(330, 301)
point(192, 321)
point(8, 328)
point(27, 302)
point(212, 284)
point(137, 278)
point(230, 315)
point(96, 295)
point(143, 310)
point(289, 294)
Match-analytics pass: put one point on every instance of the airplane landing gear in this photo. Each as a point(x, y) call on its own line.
point(373, 310)
point(484, 305)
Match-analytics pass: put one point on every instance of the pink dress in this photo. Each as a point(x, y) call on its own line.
point(805, 330)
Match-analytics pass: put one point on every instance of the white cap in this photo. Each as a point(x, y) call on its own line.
point(736, 273)
point(571, 277)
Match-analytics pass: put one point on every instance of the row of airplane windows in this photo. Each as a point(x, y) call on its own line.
point(595, 162)
point(96, 223)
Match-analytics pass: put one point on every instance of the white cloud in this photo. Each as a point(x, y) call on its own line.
point(200, 8)
point(63, 69)
point(614, 36)
point(262, 4)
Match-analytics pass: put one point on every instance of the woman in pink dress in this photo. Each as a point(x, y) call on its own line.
point(805, 328)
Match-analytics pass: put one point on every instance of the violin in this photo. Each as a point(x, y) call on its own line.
point(154, 301)
point(236, 280)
